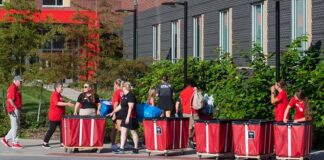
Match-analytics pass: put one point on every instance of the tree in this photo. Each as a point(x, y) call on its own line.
point(20, 37)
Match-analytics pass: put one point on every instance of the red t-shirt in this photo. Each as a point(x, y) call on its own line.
point(14, 94)
point(55, 112)
point(299, 107)
point(117, 96)
point(186, 96)
point(281, 105)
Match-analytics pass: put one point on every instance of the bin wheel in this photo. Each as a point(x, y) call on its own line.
point(94, 150)
point(76, 150)
point(165, 154)
point(98, 150)
point(65, 149)
point(199, 156)
point(149, 154)
point(216, 158)
point(183, 153)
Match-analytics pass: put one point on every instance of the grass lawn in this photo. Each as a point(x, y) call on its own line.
point(31, 98)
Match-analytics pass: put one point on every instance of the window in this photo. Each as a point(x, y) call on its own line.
point(53, 3)
point(257, 24)
point(175, 40)
point(55, 45)
point(225, 31)
point(156, 42)
point(198, 36)
point(301, 20)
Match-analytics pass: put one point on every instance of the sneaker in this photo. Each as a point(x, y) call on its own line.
point(5, 142)
point(16, 146)
point(114, 147)
point(128, 146)
point(120, 151)
point(135, 151)
point(46, 146)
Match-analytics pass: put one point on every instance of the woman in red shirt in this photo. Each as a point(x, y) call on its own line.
point(280, 100)
point(116, 99)
point(55, 113)
point(300, 102)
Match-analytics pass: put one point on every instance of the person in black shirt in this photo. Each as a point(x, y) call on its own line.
point(88, 102)
point(128, 111)
point(165, 93)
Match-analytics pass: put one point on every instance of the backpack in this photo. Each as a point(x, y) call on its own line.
point(197, 100)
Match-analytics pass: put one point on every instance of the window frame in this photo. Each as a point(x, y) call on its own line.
point(198, 37)
point(306, 21)
point(175, 41)
point(55, 5)
point(228, 11)
point(156, 42)
point(255, 24)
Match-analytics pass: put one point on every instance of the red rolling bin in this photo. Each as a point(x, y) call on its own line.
point(293, 140)
point(214, 138)
point(164, 135)
point(86, 132)
point(253, 139)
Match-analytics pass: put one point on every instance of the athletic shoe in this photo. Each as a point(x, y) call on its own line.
point(120, 151)
point(5, 142)
point(114, 147)
point(16, 146)
point(46, 146)
point(135, 151)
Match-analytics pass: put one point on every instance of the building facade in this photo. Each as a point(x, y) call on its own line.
point(216, 27)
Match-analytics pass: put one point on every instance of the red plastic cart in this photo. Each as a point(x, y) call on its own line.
point(83, 132)
point(165, 135)
point(214, 138)
point(293, 140)
point(253, 139)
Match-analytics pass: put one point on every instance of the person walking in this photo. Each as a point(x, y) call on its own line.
point(88, 102)
point(165, 93)
point(14, 105)
point(280, 100)
point(116, 118)
point(129, 122)
point(186, 98)
point(302, 108)
point(55, 113)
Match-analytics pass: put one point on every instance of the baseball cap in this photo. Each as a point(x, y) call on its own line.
point(18, 78)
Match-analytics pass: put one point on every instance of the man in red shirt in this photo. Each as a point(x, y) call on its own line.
point(14, 103)
point(185, 97)
point(55, 113)
point(280, 101)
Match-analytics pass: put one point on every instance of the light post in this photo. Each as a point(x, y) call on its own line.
point(134, 26)
point(185, 37)
point(277, 40)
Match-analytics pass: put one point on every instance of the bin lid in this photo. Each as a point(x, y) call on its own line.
point(82, 117)
point(291, 123)
point(252, 121)
point(167, 118)
point(214, 121)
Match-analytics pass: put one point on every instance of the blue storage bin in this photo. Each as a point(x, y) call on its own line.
point(152, 112)
point(106, 107)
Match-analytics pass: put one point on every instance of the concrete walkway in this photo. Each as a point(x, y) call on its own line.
point(33, 151)
point(67, 92)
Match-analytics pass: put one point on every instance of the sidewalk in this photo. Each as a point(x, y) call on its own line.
point(32, 148)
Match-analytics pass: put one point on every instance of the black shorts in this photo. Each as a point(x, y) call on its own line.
point(119, 115)
point(132, 125)
point(166, 103)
